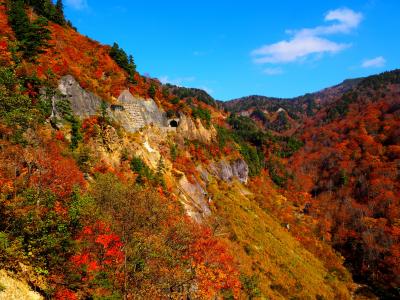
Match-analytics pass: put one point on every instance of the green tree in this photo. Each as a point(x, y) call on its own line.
point(131, 69)
point(144, 172)
point(18, 19)
point(202, 114)
point(173, 151)
point(32, 37)
point(16, 109)
point(76, 135)
point(59, 13)
point(152, 91)
point(36, 39)
point(123, 60)
point(46, 8)
point(159, 176)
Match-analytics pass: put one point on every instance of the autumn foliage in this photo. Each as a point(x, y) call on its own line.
point(95, 221)
point(57, 173)
point(350, 168)
point(214, 266)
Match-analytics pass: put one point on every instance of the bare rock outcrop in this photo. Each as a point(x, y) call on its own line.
point(132, 112)
point(194, 130)
point(135, 113)
point(227, 171)
point(194, 198)
point(83, 103)
point(14, 288)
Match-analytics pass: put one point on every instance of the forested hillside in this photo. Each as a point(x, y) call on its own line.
point(278, 199)
point(350, 166)
point(286, 115)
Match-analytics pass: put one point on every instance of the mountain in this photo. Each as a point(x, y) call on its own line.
point(348, 164)
point(284, 115)
point(115, 186)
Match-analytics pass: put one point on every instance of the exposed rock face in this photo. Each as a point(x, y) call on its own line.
point(194, 130)
point(83, 103)
point(195, 199)
point(138, 112)
point(240, 170)
point(227, 171)
point(134, 113)
point(13, 288)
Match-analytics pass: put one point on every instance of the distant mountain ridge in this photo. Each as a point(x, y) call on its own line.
point(116, 186)
point(274, 103)
point(284, 115)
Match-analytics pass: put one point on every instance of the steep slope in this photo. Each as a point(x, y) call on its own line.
point(101, 209)
point(350, 166)
point(265, 247)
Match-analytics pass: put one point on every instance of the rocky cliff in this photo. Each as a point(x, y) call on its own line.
point(12, 287)
point(83, 103)
point(132, 112)
point(227, 171)
point(135, 113)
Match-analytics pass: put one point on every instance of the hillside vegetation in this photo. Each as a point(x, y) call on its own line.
point(226, 206)
point(350, 166)
point(286, 115)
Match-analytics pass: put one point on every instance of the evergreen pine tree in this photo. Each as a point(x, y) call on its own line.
point(152, 91)
point(32, 37)
point(125, 62)
point(132, 69)
point(36, 39)
point(59, 14)
point(159, 177)
point(18, 19)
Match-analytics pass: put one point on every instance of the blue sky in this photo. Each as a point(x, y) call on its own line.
point(238, 48)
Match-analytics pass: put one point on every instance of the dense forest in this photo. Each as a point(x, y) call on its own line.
point(256, 198)
point(350, 166)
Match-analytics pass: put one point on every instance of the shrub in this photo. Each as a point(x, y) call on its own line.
point(202, 114)
point(175, 101)
point(144, 172)
point(250, 285)
point(152, 91)
point(4, 242)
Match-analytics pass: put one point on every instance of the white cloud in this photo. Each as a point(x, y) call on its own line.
point(295, 49)
point(310, 41)
point(273, 71)
point(77, 4)
point(176, 81)
point(347, 18)
point(376, 62)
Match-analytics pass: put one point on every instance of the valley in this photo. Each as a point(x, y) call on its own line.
point(114, 185)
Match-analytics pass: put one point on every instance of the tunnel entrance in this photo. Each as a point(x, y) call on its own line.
point(117, 107)
point(173, 123)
